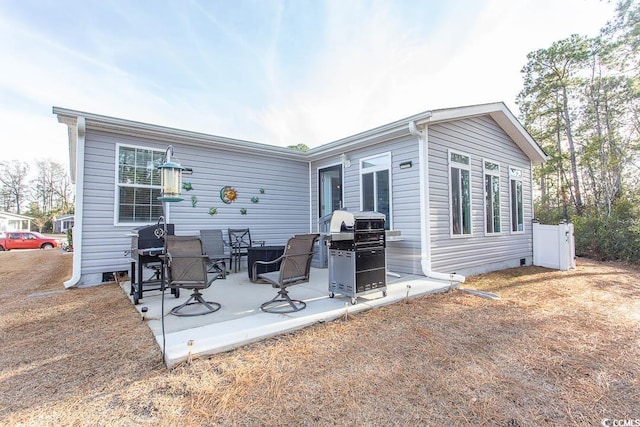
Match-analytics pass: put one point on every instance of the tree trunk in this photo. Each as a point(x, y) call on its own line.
point(572, 152)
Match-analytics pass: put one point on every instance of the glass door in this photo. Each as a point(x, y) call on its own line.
point(329, 190)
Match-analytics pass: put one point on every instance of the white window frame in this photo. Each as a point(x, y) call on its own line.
point(369, 169)
point(492, 173)
point(462, 166)
point(516, 174)
point(118, 185)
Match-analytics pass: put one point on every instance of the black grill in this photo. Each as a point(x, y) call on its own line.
point(357, 263)
point(147, 244)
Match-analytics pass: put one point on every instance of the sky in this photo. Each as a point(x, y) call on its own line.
point(270, 71)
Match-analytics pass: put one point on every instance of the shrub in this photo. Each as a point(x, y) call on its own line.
point(608, 238)
point(70, 238)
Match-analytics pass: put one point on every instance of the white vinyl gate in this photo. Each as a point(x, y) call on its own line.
point(554, 246)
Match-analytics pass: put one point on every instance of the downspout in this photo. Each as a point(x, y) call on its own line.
point(425, 218)
point(79, 208)
point(310, 202)
point(533, 206)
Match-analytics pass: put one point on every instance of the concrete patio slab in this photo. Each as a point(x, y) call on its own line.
point(240, 320)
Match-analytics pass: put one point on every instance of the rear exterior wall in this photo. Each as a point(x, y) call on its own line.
point(482, 139)
point(403, 255)
point(281, 211)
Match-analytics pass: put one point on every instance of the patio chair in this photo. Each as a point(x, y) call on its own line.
point(240, 240)
point(294, 269)
point(187, 268)
point(214, 248)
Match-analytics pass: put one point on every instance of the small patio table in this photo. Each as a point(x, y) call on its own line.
point(263, 253)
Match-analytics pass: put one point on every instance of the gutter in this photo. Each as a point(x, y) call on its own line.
point(425, 219)
point(310, 201)
point(77, 227)
point(177, 136)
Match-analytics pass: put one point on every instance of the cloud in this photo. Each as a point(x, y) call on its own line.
point(378, 62)
point(276, 72)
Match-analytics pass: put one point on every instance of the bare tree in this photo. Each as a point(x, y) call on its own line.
point(51, 189)
point(13, 177)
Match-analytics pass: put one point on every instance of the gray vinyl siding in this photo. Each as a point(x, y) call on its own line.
point(289, 204)
point(481, 138)
point(281, 211)
point(402, 256)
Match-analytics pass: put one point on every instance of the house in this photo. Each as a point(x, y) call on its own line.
point(63, 223)
point(454, 183)
point(14, 222)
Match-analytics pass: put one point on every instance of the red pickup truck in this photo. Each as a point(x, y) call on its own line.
point(25, 240)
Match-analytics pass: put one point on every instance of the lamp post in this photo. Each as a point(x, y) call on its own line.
point(171, 182)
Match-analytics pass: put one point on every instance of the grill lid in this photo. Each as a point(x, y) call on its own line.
point(345, 221)
point(145, 236)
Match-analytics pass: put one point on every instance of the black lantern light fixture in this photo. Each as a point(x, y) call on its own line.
point(171, 178)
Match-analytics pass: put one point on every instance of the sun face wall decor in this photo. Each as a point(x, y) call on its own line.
point(228, 194)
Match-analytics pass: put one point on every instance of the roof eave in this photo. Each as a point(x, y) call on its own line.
point(173, 135)
point(499, 112)
point(373, 136)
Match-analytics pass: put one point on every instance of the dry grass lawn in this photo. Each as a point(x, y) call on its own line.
point(558, 348)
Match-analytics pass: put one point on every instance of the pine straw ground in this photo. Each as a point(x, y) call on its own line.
point(558, 348)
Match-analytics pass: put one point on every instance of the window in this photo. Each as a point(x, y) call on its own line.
point(460, 180)
point(492, 197)
point(138, 186)
point(517, 199)
point(375, 180)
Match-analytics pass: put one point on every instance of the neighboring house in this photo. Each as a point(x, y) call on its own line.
point(455, 183)
point(14, 222)
point(63, 223)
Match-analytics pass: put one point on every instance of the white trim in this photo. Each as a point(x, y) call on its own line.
point(495, 173)
point(520, 178)
point(372, 169)
point(76, 274)
point(467, 167)
point(116, 196)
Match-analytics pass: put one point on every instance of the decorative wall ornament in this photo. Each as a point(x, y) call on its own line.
point(243, 211)
point(194, 201)
point(228, 194)
point(187, 186)
point(213, 211)
point(254, 199)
